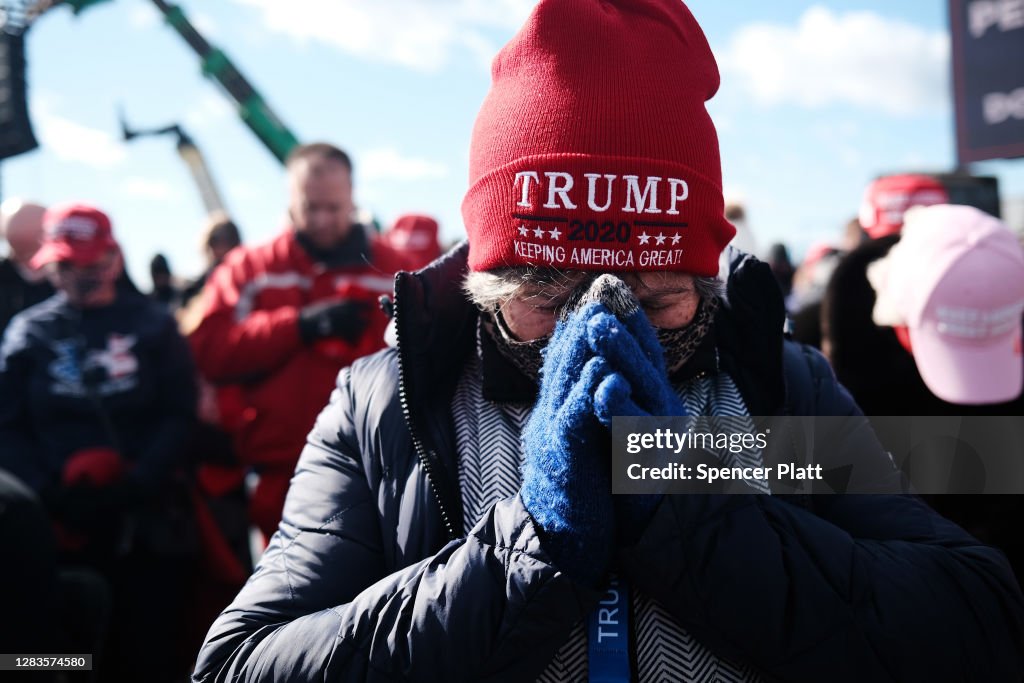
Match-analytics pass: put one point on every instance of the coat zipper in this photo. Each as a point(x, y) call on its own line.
point(421, 451)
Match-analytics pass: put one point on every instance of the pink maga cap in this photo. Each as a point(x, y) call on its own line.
point(956, 280)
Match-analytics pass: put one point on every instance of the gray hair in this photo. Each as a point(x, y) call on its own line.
point(490, 289)
point(709, 287)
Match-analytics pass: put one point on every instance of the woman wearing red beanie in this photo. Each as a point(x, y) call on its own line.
point(451, 517)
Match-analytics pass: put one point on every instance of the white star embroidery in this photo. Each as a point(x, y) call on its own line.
point(523, 231)
point(538, 233)
point(645, 238)
point(555, 234)
point(676, 238)
point(660, 239)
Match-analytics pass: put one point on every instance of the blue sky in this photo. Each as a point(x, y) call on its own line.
point(816, 99)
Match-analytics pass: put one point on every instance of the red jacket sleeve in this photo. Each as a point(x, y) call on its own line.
point(232, 344)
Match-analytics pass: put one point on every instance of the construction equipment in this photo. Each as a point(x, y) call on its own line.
point(252, 108)
point(16, 136)
point(192, 157)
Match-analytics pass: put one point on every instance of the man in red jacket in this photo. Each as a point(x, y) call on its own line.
point(281, 319)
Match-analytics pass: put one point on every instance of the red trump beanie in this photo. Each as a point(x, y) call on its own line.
point(593, 149)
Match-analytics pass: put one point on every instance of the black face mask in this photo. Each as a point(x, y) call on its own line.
point(677, 344)
point(680, 344)
point(524, 355)
point(82, 286)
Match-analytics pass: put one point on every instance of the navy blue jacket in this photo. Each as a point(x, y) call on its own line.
point(369, 577)
point(17, 294)
point(120, 376)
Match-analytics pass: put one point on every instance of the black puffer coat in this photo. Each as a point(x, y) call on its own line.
point(369, 577)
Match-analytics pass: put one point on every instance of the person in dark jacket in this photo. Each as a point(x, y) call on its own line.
point(451, 515)
point(951, 292)
point(875, 364)
point(97, 400)
point(21, 286)
point(869, 359)
point(165, 290)
point(45, 609)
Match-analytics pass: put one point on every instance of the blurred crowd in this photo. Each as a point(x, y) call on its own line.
point(147, 439)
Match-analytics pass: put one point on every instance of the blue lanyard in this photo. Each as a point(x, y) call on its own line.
point(608, 636)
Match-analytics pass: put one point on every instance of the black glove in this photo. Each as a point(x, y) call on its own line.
point(345, 319)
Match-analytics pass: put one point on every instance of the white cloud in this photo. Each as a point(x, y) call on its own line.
point(148, 188)
point(387, 163)
point(74, 142)
point(858, 58)
point(45, 100)
point(143, 16)
point(420, 35)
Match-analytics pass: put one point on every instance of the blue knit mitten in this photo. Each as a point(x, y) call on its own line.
point(638, 386)
point(566, 472)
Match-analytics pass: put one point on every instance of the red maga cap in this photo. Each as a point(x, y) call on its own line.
point(889, 197)
point(77, 233)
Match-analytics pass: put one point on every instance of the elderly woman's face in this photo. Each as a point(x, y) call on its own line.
point(669, 300)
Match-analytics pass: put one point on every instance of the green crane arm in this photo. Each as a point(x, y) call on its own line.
point(252, 108)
